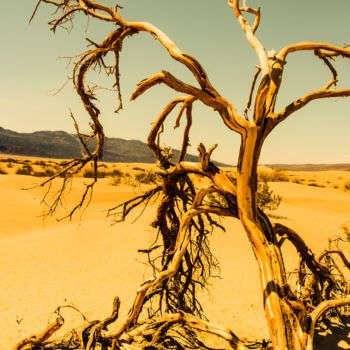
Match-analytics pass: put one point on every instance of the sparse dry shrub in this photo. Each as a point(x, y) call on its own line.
point(267, 200)
point(138, 168)
point(46, 173)
point(2, 171)
point(347, 186)
point(116, 180)
point(25, 169)
point(57, 166)
point(89, 173)
point(314, 184)
point(117, 177)
point(216, 200)
point(11, 160)
point(276, 175)
point(346, 229)
point(146, 177)
point(40, 162)
point(39, 174)
point(116, 173)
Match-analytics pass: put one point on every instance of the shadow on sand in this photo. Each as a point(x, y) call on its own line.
point(336, 337)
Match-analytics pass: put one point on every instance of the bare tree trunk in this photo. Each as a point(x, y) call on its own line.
point(282, 322)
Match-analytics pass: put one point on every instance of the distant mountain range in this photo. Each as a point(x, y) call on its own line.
point(60, 144)
point(310, 167)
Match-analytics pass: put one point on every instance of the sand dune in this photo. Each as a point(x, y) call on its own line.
point(45, 263)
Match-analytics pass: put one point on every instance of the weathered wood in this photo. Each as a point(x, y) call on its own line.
point(182, 207)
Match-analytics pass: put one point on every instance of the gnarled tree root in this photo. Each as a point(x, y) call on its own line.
point(37, 340)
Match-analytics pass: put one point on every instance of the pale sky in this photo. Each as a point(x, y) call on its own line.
point(207, 29)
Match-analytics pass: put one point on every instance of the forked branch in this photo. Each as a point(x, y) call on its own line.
point(325, 52)
point(250, 31)
point(304, 100)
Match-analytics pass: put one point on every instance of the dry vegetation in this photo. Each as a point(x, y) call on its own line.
point(146, 173)
point(166, 311)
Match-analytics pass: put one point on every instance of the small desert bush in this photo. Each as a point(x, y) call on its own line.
point(39, 173)
point(45, 173)
point(40, 162)
point(267, 200)
point(11, 160)
point(2, 171)
point(276, 175)
point(314, 184)
point(116, 181)
point(216, 200)
point(57, 166)
point(50, 172)
point(138, 168)
point(25, 169)
point(116, 173)
point(346, 230)
point(146, 177)
point(10, 165)
point(89, 173)
point(347, 186)
point(117, 176)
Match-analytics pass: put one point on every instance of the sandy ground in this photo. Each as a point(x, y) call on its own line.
point(87, 261)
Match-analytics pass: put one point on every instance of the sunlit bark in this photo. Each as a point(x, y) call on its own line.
point(182, 208)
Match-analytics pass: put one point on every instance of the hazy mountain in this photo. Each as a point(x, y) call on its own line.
point(310, 167)
point(60, 144)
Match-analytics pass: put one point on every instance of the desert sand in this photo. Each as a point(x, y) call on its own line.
point(45, 263)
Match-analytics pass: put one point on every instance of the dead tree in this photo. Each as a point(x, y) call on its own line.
point(183, 214)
